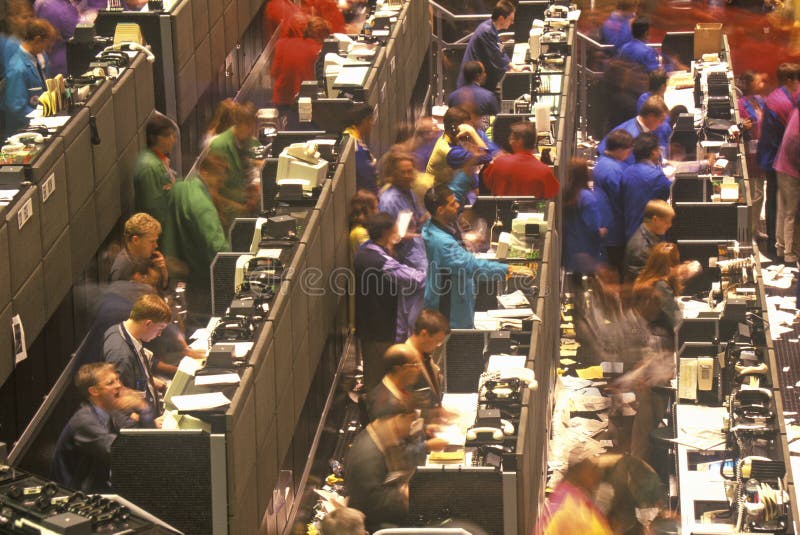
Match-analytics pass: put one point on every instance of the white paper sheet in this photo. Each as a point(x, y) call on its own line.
point(217, 379)
point(199, 402)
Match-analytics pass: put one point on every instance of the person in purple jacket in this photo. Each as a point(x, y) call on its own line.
point(787, 166)
point(64, 17)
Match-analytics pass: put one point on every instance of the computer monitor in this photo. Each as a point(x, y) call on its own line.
point(515, 84)
point(489, 208)
point(501, 128)
point(287, 137)
point(527, 11)
point(331, 114)
point(704, 221)
point(679, 45)
point(182, 382)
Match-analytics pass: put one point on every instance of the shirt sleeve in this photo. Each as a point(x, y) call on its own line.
point(94, 441)
point(407, 278)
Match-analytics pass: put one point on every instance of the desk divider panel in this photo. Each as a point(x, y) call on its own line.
point(83, 237)
point(56, 267)
point(241, 443)
point(5, 266)
point(6, 344)
point(28, 302)
point(123, 94)
point(101, 108)
point(78, 160)
point(23, 221)
point(108, 204)
point(53, 201)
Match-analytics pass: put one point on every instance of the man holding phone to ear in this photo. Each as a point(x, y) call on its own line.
point(140, 235)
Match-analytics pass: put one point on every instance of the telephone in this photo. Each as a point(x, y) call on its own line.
point(502, 391)
point(555, 36)
point(232, 329)
point(26, 138)
point(506, 429)
point(526, 375)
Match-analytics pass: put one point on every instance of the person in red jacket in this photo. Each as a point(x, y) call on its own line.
point(328, 10)
point(295, 55)
point(277, 11)
point(520, 173)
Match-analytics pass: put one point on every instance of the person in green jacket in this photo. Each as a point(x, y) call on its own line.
point(237, 196)
point(194, 231)
point(152, 176)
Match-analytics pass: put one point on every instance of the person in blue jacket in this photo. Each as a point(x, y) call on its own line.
point(472, 94)
point(636, 50)
point(651, 116)
point(26, 73)
point(361, 120)
point(642, 182)
point(450, 283)
point(607, 182)
point(583, 224)
point(616, 29)
point(484, 46)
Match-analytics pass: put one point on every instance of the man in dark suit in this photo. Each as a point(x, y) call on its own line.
point(392, 396)
point(123, 346)
point(430, 331)
point(83, 451)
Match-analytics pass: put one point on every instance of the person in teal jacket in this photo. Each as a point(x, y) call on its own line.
point(26, 73)
point(194, 233)
point(237, 197)
point(152, 176)
point(450, 284)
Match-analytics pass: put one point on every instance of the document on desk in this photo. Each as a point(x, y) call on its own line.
point(217, 379)
point(514, 300)
point(512, 313)
point(200, 402)
point(699, 439)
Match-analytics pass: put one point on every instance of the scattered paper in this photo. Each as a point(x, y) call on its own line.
point(513, 300)
point(200, 402)
point(700, 439)
point(217, 379)
point(18, 333)
point(611, 367)
point(512, 313)
point(567, 362)
point(589, 403)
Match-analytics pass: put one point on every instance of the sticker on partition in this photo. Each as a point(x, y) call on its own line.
point(18, 332)
point(383, 91)
point(48, 187)
point(391, 64)
point(25, 213)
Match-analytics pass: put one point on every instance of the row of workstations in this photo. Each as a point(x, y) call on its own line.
point(731, 456)
point(67, 181)
point(241, 474)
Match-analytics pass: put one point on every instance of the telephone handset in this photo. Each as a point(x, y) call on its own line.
point(555, 36)
point(507, 429)
point(557, 12)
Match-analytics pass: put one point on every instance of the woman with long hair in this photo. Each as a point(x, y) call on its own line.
point(657, 286)
point(583, 230)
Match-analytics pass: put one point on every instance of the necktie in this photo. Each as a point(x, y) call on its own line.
point(41, 71)
point(152, 392)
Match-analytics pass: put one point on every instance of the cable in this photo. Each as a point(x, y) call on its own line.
point(151, 58)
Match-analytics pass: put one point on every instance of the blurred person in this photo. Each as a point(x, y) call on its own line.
point(571, 508)
point(123, 346)
point(450, 285)
point(583, 225)
point(64, 16)
point(18, 14)
point(437, 167)
point(463, 144)
point(430, 331)
point(521, 173)
point(343, 521)
point(363, 204)
point(643, 181)
point(293, 63)
point(153, 177)
point(484, 46)
point(378, 466)
point(222, 120)
point(654, 292)
point(380, 282)
point(616, 29)
point(787, 166)
point(636, 50)
point(140, 235)
point(26, 72)
point(134, 5)
point(328, 11)
point(393, 395)
point(777, 107)
point(472, 93)
point(426, 132)
point(410, 250)
point(236, 196)
point(657, 85)
point(650, 116)
point(464, 184)
point(82, 457)
point(361, 120)
point(657, 220)
point(637, 493)
point(607, 175)
point(751, 110)
point(195, 229)
point(621, 87)
point(277, 11)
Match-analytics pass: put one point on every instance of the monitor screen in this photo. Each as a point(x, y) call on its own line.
point(331, 114)
point(527, 11)
point(679, 45)
point(704, 221)
point(515, 84)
